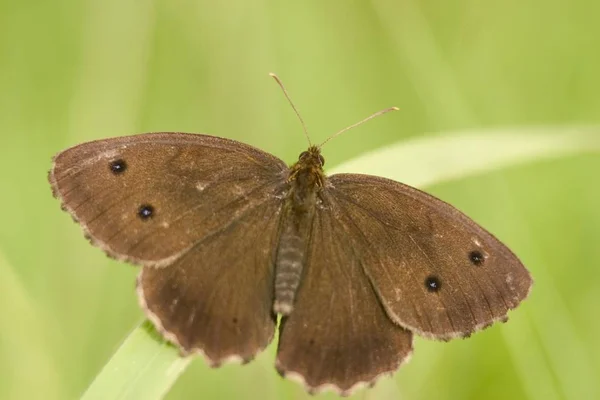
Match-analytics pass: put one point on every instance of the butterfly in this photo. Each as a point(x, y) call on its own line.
point(229, 236)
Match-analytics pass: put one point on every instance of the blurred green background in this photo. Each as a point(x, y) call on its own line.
point(72, 71)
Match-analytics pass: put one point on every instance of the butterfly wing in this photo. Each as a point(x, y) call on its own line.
point(201, 214)
point(436, 271)
point(338, 336)
point(217, 298)
point(149, 198)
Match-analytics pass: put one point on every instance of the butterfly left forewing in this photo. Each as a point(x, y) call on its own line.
point(148, 198)
point(435, 271)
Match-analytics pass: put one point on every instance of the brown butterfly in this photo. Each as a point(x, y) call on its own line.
point(230, 236)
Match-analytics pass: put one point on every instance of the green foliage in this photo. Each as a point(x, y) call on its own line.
point(72, 71)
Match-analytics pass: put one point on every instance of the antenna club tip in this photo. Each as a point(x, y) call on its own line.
point(394, 109)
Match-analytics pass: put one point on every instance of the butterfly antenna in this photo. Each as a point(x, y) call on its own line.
point(287, 96)
point(377, 114)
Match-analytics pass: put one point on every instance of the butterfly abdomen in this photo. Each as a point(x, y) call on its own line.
point(288, 272)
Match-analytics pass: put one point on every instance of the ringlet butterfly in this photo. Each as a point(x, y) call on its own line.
point(229, 236)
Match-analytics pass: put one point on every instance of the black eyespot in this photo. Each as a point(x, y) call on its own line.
point(432, 283)
point(146, 211)
point(234, 320)
point(118, 166)
point(476, 257)
point(321, 160)
point(311, 342)
point(303, 154)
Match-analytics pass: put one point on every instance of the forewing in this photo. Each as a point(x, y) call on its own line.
point(217, 298)
point(436, 271)
point(149, 198)
point(338, 335)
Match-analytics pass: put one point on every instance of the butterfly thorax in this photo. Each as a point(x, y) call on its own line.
point(307, 172)
point(305, 181)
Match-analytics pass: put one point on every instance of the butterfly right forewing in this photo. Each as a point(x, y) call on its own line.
point(435, 271)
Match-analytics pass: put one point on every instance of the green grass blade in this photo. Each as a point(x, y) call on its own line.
point(447, 156)
point(144, 367)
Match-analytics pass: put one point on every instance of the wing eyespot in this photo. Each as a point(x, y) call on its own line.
point(476, 257)
point(146, 211)
point(117, 167)
point(433, 283)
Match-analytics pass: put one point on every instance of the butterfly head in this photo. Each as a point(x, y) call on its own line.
point(309, 167)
